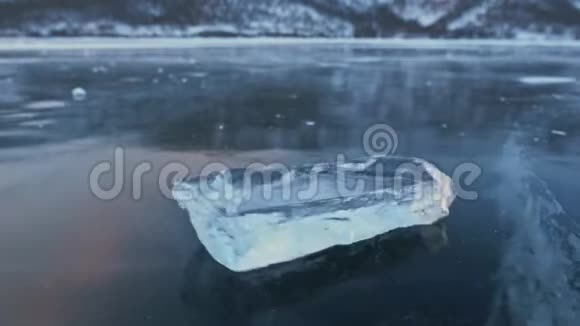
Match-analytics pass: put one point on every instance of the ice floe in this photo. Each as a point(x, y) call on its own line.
point(247, 224)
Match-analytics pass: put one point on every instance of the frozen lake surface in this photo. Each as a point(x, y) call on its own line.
point(70, 258)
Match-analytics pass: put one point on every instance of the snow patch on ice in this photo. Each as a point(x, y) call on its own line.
point(543, 80)
point(45, 105)
point(18, 116)
point(559, 132)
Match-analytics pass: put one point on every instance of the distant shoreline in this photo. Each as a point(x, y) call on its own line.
point(112, 43)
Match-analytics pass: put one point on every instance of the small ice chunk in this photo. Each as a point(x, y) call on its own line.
point(559, 132)
point(79, 94)
point(544, 80)
point(248, 223)
point(310, 123)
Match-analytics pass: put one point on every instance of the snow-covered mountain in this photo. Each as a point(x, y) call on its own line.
point(324, 18)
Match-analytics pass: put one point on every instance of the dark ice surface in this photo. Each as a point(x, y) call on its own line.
point(506, 258)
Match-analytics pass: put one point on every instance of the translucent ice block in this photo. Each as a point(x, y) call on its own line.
point(253, 218)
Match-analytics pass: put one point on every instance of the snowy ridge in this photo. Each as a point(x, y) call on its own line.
point(300, 18)
point(424, 12)
point(472, 17)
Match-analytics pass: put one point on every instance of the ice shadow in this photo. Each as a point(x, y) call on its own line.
point(215, 295)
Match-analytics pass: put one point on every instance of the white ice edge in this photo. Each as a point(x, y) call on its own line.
point(258, 240)
point(120, 43)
